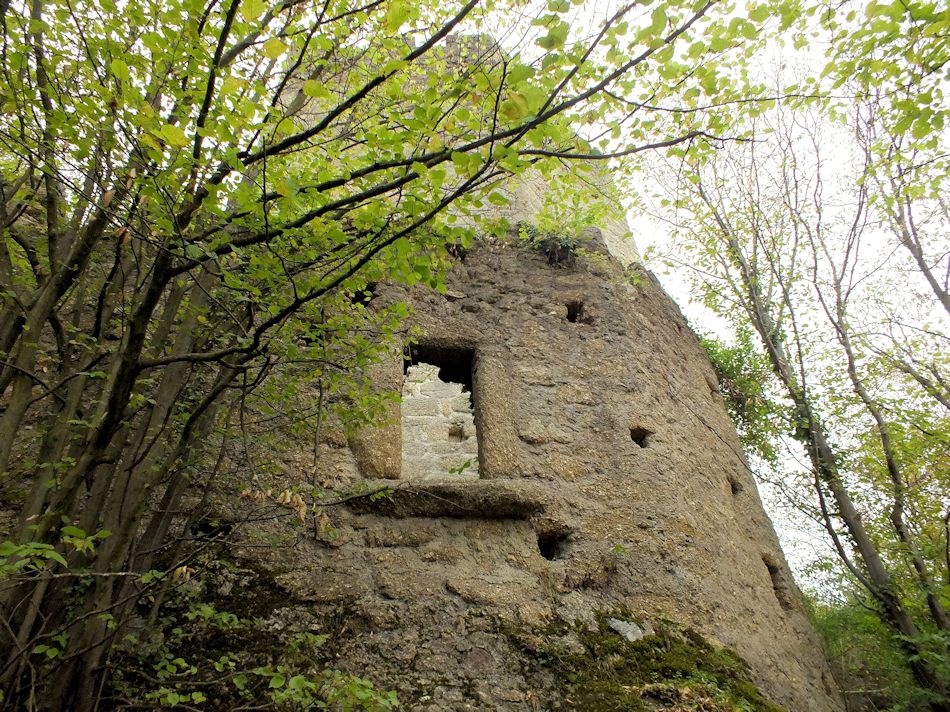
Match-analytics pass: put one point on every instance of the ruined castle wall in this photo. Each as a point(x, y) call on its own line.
point(610, 477)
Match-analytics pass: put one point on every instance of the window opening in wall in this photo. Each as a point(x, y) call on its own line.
point(735, 486)
point(454, 364)
point(781, 584)
point(575, 312)
point(365, 296)
point(553, 545)
point(439, 433)
point(640, 435)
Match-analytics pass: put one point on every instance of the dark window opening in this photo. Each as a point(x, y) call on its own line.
point(781, 584)
point(457, 433)
point(365, 295)
point(553, 545)
point(575, 312)
point(640, 435)
point(457, 251)
point(455, 364)
point(735, 486)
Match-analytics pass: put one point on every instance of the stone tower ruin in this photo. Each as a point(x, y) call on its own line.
point(561, 453)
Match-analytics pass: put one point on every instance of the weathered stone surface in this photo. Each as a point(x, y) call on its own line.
point(630, 630)
point(378, 451)
point(538, 433)
point(570, 515)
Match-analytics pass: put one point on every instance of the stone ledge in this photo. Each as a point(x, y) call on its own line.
point(483, 499)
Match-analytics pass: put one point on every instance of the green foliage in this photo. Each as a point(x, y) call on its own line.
point(568, 208)
point(30, 556)
point(199, 653)
point(80, 541)
point(557, 246)
point(33, 556)
point(867, 659)
point(460, 469)
point(894, 50)
point(827, 267)
point(745, 381)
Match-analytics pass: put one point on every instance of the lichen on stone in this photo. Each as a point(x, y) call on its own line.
point(673, 669)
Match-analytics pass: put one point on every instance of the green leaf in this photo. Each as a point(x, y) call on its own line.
point(921, 128)
point(515, 107)
point(315, 89)
point(288, 187)
point(658, 20)
point(397, 12)
point(120, 69)
point(556, 36)
point(253, 9)
point(759, 13)
point(274, 48)
point(57, 557)
point(173, 135)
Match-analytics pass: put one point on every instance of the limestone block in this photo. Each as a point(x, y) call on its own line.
point(479, 590)
point(410, 389)
point(567, 467)
point(420, 406)
point(378, 447)
point(439, 389)
point(446, 448)
point(537, 375)
point(461, 403)
point(420, 372)
point(411, 535)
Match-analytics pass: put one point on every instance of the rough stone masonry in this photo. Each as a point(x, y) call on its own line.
point(608, 477)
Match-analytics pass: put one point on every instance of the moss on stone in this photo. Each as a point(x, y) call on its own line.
point(676, 670)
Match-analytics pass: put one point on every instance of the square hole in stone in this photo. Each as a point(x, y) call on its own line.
point(553, 545)
point(575, 312)
point(454, 364)
point(640, 435)
point(781, 582)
